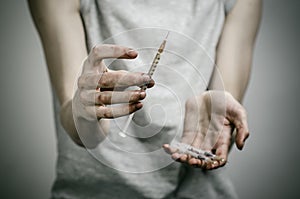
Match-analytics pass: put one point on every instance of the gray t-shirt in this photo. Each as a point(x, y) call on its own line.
point(135, 166)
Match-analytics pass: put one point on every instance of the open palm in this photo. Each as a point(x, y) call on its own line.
point(210, 120)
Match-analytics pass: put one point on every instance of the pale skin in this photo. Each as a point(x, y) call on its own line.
point(65, 49)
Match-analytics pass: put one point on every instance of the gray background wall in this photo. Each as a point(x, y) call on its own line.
point(268, 167)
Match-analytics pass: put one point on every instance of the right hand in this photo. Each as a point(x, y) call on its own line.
point(98, 86)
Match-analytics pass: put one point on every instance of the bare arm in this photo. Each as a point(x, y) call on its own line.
point(62, 35)
point(235, 49)
point(61, 30)
point(212, 131)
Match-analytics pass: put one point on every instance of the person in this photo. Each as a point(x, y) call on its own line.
point(72, 32)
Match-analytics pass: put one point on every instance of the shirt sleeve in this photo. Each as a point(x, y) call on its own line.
point(229, 5)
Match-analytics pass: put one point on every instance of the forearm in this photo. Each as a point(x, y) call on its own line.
point(232, 72)
point(235, 49)
point(62, 35)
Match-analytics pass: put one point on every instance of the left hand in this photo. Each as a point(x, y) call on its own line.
point(209, 123)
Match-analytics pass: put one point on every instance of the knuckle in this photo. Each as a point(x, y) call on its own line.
point(138, 78)
point(116, 49)
point(81, 81)
point(119, 50)
point(96, 49)
point(85, 108)
point(107, 113)
point(242, 110)
point(121, 76)
point(243, 113)
point(104, 80)
point(132, 108)
point(102, 98)
point(82, 96)
point(143, 77)
point(86, 63)
point(95, 55)
point(134, 97)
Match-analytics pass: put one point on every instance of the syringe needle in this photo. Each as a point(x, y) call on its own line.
point(150, 73)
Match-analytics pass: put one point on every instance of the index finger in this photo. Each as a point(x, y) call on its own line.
point(106, 51)
point(113, 79)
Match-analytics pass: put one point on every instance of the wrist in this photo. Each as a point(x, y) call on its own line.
point(67, 121)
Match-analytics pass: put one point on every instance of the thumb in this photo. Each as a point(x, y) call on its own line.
point(237, 115)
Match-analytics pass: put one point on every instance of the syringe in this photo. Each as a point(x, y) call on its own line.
point(150, 73)
point(196, 153)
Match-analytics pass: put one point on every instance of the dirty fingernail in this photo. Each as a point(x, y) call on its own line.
point(142, 95)
point(139, 105)
point(131, 52)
